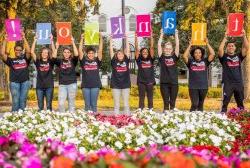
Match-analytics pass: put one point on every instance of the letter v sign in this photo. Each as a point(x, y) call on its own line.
point(91, 34)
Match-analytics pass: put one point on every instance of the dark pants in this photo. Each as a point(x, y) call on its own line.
point(169, 94)
point(143, 89)
point(197, 97)
point(228, 91)
point(46, 94)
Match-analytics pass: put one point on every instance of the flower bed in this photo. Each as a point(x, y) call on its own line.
point(90, 133)
point(18, 151)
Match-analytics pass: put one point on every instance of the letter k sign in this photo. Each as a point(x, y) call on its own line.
point(117, 27)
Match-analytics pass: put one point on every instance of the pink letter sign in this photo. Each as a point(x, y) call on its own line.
point(13, 29)
point(143, 25)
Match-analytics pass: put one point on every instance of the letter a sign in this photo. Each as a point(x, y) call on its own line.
point(143, 25)
point(199, 33)
point(117, 27)
point(169, 22)
point(63, 33)
point(235, 24)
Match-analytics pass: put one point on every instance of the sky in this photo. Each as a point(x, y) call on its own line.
point(141, 6)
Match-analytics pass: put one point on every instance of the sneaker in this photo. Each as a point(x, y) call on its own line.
point(165, 111)
point(150, 110)
point(139, 110)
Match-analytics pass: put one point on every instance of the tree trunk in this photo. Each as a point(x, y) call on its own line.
point(11, 14)
point(246, 65)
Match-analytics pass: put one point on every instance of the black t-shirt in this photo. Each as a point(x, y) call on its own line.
point(90, 73)
point(168, 69)
point(67, 72)
point(45, 73)
point(19, 71)
point(198, 73)
point(231, 65)
point(120, 78)
point(145, 70)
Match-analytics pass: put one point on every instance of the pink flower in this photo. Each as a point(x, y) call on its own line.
point(18, 137)
point(32, 162)
point(3, 140)
point(27, 149)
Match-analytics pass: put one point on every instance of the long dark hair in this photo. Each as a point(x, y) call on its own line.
point(49, 52)
point(144, 48)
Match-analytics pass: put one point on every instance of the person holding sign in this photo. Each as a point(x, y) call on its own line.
point(168, 58)
point(45, 83)
point(91, 82)
point(145, 78)
point(67, 76)
point(198, 73)
point(19, 73)
point(120, 78)
point(231, 66)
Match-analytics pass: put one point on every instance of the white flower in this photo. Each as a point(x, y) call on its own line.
point(118, 144)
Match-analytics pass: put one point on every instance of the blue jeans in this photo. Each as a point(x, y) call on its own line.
point(90, 96)
point(67, 91)
point(46, 93)
point(19, 93)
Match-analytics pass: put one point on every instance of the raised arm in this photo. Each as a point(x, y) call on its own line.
point(177, 43)
point(152, 51)
point(245, 44)
point(111, 50)
point(210, 50)
point(81, 52)
point(159, 43)
point(137, 52)
point(3, 54)
point(75, 50)
point(52, 43)
point(186, 53)
point(100, 50)
point(33, 54)
point(127, 49)
point(26, 46)
point(222, 45)
point(54, 53)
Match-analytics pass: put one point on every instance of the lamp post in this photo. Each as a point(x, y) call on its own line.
point(123, 14)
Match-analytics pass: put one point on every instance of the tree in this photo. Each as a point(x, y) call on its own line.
point(246, 67)
point(33, 11)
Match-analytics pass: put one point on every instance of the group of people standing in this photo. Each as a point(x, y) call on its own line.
point(196, 59)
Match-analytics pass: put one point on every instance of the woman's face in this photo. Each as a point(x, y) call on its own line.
point(145, 53)
point(168, 49)
point(66, 54)
point(91, 55)
point(197, 54)
point(18, 51)
point(120, 55)
point(45, 54)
